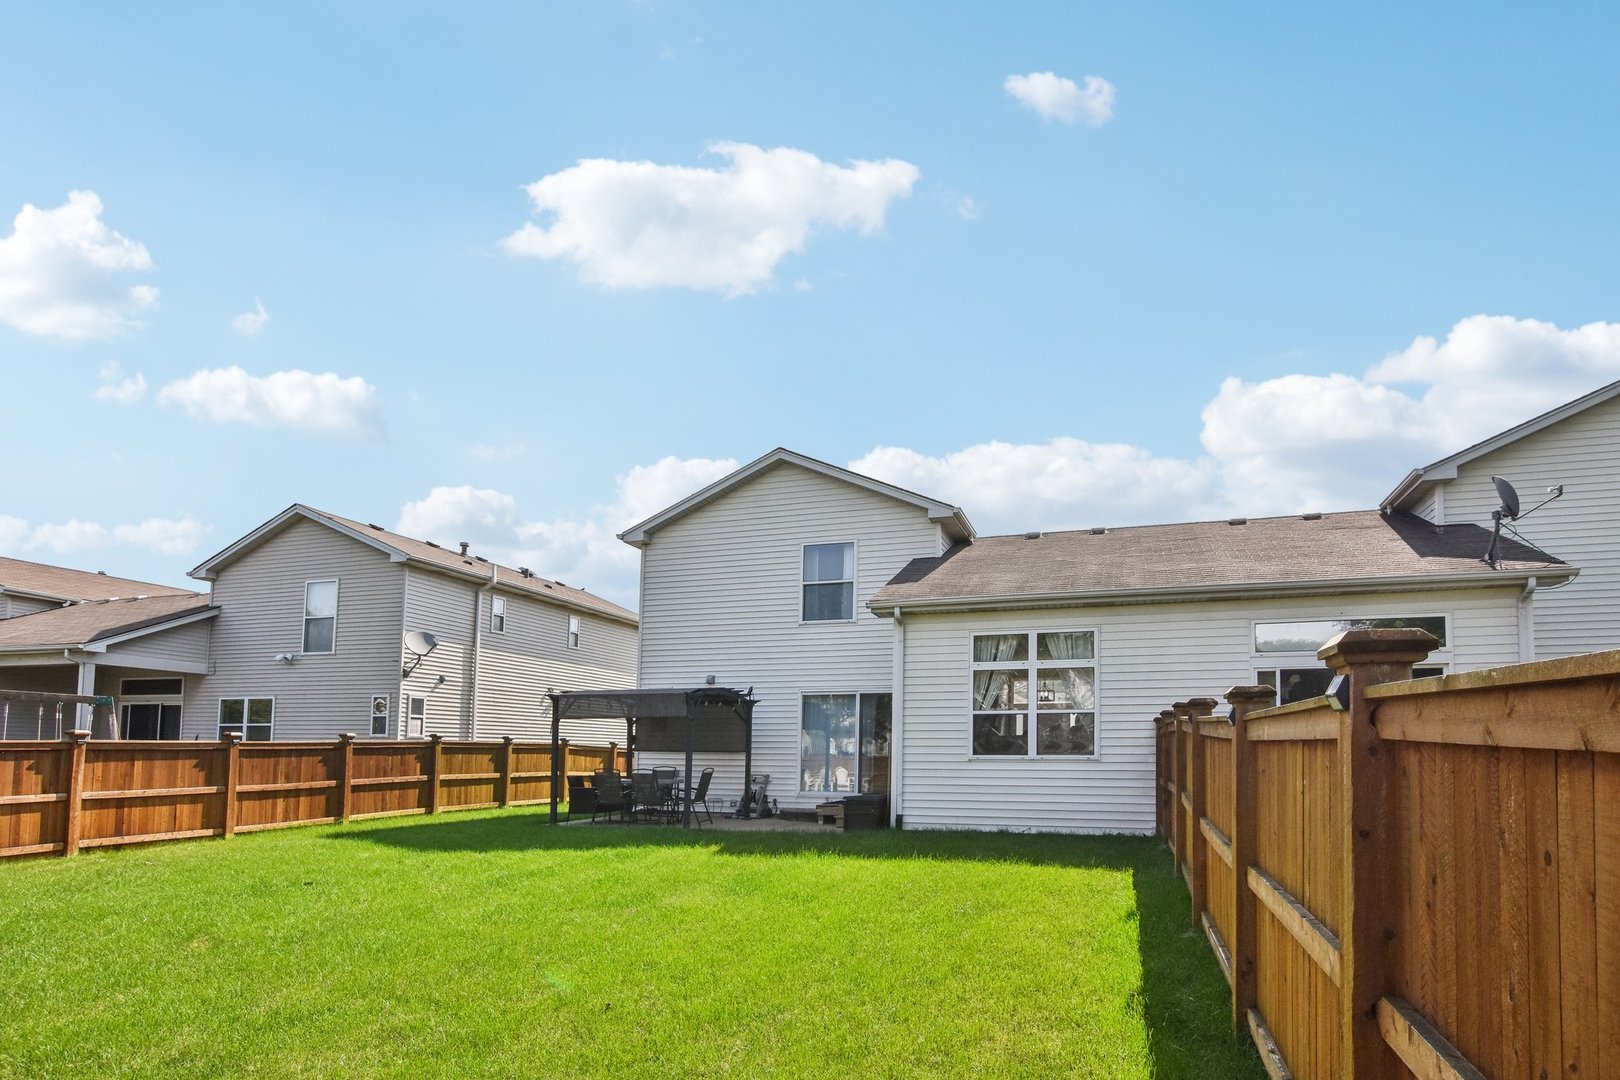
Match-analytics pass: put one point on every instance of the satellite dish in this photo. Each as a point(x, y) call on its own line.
point(418, 643)
point(1509, 497)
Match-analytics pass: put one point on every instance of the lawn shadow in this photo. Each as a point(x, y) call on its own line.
point(1183, 995)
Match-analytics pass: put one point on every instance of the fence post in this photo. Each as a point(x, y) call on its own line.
point(506, 772)
point(435, 768)
point(1173, 723)
point(76, 739)
point(1198, 708)
point(232, 745)
point(346, 779)
point(613, 757)
point(1245, 824)
point(1366, 938)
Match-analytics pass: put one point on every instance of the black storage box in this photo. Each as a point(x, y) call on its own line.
point(866, 812)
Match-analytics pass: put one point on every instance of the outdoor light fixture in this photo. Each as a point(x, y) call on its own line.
point(286, 658)
point(1338, 693)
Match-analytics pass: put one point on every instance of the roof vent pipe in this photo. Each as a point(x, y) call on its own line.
point(1237, 521)
point(464, 547)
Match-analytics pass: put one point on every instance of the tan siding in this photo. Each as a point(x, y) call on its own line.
point(188, 644)
point(261, 596)
point(1582, 453)
point(1147, 658)
point(441, 606)
point(721, 597)
point(12, 606)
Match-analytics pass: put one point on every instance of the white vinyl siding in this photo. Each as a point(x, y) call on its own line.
point(721, 596)
point(261, 597)
point(1432, 506)
point(1581, 452)
point(1147, 657)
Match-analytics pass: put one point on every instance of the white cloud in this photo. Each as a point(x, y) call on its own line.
point(637, 224)
point(584, 552)
point(1293, 443)
point(167, 536)
point(251, 322)
point(802, 285)
point(295, 399)
point(124, 391)
point(1053, 97)
point(59, 272)
point(967, 209)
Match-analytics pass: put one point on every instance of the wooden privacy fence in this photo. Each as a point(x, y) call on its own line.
point(83, 793)
point(1410, 878)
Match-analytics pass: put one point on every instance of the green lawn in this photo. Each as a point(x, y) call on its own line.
point(489, 944)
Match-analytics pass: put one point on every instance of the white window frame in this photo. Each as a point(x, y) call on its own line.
point(856, 777)
point(303, 627)
point(497, 614)
point(126, 700)
point(853, 580)
point(1441, 658)
point(386, 715)
point(421, 726)
point(244, 699)
point(571, 637)
point(1031, 712)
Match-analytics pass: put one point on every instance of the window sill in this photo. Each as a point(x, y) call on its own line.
point(828, 622)
point(1035, 757)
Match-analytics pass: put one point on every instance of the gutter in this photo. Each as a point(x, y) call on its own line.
point(478, 645)
point(1180, 594)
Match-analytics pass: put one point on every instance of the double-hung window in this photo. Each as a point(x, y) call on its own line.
point(415, 716)
point(320, 616)
point(253, 717)
point(829, 583)
point(1035, 694)
point(497, 614)
point(573, 631)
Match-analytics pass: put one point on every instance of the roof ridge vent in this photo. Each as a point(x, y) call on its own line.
point(374, 525)
point(430, 543)
point(1098, 530)
point(1237, 521)
point(1032, 536)
point(480, 558)
point(1314, 515)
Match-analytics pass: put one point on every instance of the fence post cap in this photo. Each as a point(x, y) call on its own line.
point(1180, 708)
point(347, 736)
point(1201, 705)
point(1251, 694)
point(1407, 645)
point(233, 737)
point(435, 738)
point(508, 739)
point(1167, 714)
point(78, 735)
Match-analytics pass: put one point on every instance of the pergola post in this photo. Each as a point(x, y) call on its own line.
point(556, 734)
point(691, 724)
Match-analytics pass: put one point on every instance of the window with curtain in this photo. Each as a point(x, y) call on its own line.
point(828, 583)
point(1034, 694)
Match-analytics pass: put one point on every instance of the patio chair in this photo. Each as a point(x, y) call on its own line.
point(665, 775)
point(646, 797)
point(609, 796)
point(699, 795)
point(581, 797)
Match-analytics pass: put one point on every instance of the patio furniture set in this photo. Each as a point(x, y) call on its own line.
point(646, 795)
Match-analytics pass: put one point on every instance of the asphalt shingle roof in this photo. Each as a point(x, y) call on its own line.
point(81, 624)
point(1283, 550)
point(42, 579)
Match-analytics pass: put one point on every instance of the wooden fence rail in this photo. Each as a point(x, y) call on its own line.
point(1409, 878)
point(59, 797)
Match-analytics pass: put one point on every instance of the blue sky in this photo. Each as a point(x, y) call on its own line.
point(1273, 259)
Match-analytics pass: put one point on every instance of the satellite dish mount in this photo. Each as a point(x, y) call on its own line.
point(1511, 511)
point(418, 644)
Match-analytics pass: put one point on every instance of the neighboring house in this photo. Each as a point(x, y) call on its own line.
point(1012, 682)
point(311, 638)
point(1576, 445)
point(65, 631)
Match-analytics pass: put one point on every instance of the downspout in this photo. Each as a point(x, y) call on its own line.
point(1527, 621)
point(897, 721)
point(478, 645)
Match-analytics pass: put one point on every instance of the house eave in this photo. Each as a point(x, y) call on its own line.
point(1243, 591)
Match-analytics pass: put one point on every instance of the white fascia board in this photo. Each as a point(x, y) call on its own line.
point(1263, 590)
point(636, 536)
point(206, 570)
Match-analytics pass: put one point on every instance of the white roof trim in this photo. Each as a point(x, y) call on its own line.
point(952, 516)
point(1446, 468)
point(207, 569)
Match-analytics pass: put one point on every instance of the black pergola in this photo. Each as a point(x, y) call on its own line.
point(667, 719)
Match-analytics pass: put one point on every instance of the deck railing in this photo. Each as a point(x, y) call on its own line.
point(1410, 878)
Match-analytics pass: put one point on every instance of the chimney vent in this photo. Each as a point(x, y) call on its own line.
point(1312, 516)
point(1098, 531)
point(1237, 521)
point(464, 547)
point(1032, 536)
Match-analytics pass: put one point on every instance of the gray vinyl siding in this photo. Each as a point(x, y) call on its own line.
point(1581, 452)
point(1431, 507)
point(261, 596)
point(186, 645)
point(12, 605)
point(441, 606)
point(1147, 657)
point(721, 597)
point(518, 667)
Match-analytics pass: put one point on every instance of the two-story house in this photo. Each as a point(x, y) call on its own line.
point(1575, 446)
point(1011, 682)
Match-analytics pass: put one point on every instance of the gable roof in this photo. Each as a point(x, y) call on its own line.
point(424, 553)
point(63, 583)
point(1362, 550)
point(102, 621)
point(1417, 481)
point(955, 522)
